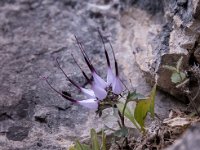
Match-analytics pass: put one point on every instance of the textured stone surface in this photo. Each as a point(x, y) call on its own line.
point(162, 37)
point(32, 34)
point(190, 140)
point(35, 32)
point(17, 133)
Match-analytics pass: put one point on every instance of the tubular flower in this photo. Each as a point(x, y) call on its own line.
point(101, 92)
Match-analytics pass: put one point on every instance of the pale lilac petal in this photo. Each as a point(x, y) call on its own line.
point(99, 81)
point(110, 76)
point(88, 92)
point(99, 92)
point(89, 103)
point(117, 86)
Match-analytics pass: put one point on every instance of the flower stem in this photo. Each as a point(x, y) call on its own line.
point(121, 116)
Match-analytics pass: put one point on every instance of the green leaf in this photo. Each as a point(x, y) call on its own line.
point(133, 96)
point(123, 132)
point(145, 106)
point(141, 109)
point(103, 145)
point(176, 78)
point(152, 101)
point(128, 114)
point(178, 65)
point(171, 68)
point(94, 140)
point(86, 147)
point(183, 75)
point(79, 146)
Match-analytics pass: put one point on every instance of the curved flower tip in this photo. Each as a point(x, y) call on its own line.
point(99, 81)
point(99, 92)
point(110, 76)
point(88, 92)
point(89, 103)
point(117, 86)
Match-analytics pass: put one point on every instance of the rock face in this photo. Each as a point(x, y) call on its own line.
point(160, 34)
point(17, 133)
point(33, 33)
point(160, 37)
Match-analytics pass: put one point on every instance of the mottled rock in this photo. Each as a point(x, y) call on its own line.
point(182, 2)
point(32, 34)
point(17, 133)
point(35, 32)
point(197, 55)
point(162, 38)
point(196, 10)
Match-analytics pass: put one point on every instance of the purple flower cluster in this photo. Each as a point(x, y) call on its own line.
point(100, 90)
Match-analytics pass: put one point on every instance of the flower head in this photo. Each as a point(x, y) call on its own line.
point(101, 92)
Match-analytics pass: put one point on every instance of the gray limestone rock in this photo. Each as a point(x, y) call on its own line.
point(33, 33)
point(17, 133)
point(162, 38)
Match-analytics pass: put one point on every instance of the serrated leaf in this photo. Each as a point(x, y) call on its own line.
point(171, 68)
point(176, 78)
point(123, 132)
point(103, 145)
point(179, 62)
point(94, 140)
point(128, 114)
